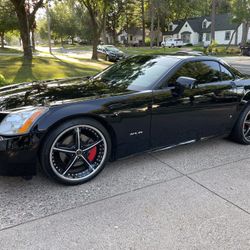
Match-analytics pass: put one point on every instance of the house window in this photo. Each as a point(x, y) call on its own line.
point(204, 25)
point(227, 35)
point(207, 36)
point(170, 27)
point(131, 38)
point(186, 25)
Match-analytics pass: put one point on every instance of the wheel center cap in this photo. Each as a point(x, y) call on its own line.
point(79, 152)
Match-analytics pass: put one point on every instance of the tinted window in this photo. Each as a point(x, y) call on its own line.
point(226, 75)
point(140, 71)
point(234, 71)
point(203, 72)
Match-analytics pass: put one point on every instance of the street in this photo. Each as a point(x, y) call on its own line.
point(190, 197)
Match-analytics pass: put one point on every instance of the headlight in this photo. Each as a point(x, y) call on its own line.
point(20, 122)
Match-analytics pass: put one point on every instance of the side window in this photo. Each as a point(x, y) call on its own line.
point(226, 75)
point(185, 70)
point(203, 72)
point(209, 72)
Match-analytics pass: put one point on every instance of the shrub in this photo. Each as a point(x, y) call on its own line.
point(212, 47)
point(189, 45)
point(2, 80)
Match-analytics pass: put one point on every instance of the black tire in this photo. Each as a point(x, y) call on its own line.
point(52, 158)
point(239, 131)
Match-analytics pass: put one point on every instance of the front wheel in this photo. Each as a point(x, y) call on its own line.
point(76, 151)
point(241, 131)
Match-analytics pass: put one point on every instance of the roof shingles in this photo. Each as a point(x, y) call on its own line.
point(223, 22)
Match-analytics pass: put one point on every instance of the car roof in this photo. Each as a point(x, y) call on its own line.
point(184, 57)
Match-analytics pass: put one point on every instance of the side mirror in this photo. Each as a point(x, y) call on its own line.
point(186, 82)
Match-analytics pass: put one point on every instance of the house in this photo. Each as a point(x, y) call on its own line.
point(198, 30)
point(131, 36)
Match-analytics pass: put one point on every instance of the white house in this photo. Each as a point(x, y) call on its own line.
point(198, 30)
point(132, 36)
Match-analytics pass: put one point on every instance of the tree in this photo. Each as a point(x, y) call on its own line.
point(63, 21)
point(143, 21)
point(26, 11)
point(213, 19)
point(241, 12)
point(8, 21)
point(97, 10)
point(115, 11)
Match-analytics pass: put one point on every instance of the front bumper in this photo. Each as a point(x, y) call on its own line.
point(116, 58)
point(18, 155)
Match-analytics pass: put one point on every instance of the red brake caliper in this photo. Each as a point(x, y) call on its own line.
point(92, 154)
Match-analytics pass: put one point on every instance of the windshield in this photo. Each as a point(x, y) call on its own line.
point(138, 72)
point(111, 48)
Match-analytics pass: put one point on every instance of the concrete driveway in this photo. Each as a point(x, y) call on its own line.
point(192, 197)
point(195, 196)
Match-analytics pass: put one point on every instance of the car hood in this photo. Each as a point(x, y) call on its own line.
point(118, 52)
point(50, 93)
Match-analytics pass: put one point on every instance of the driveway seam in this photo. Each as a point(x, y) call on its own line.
point(199, 171)
point(91, 203)
point(202, 185)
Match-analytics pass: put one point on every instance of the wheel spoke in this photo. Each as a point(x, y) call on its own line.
point(64, 150)
point(248, 130)
point(93, 145)
point(90, 166)
point(247, 123)
point(70, 166)
point(78, 138)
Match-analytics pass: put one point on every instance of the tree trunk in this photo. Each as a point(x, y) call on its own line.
point(33, 40)
point(213, 19)
point(61, 42)
point(245, 29)
point(231, 39)
point(236, 36)
point(24, 32)
point(158, 30)
point(2, 39)
point(95, 44)
point(143, 22)
point(152, 26)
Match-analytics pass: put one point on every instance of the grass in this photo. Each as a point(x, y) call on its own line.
point(15, 70)
point(46, 67)
point(9, 50)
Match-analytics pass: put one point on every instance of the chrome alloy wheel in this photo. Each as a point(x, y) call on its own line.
point(78, 153)
point(246, 127)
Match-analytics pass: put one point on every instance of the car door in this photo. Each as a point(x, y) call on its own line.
point(215, 99)
point(101, 52)
point(203, 111)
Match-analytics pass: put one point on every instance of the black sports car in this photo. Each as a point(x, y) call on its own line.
point(73, 127)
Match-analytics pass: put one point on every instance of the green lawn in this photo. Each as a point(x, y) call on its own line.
point(8, 50)
point(15, 70)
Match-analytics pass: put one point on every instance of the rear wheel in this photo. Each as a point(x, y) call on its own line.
point(241, 131)
point(76, 151)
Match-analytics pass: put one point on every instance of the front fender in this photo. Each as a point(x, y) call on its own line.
point(56, 115)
